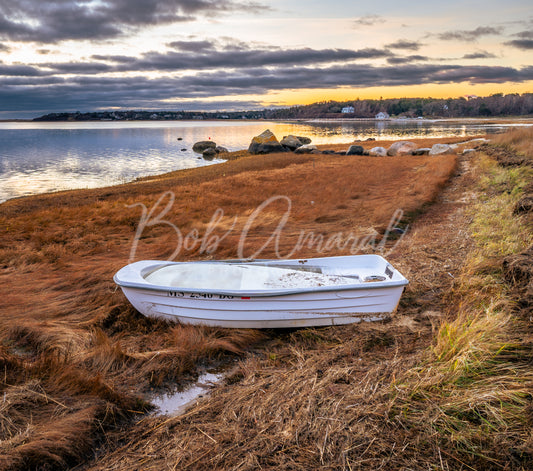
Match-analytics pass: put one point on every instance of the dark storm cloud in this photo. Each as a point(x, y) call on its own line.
point(15, 81)
point(525, 44)
point(19, 70)
point(470, 35)
point(405, 44)
point(407, 59)
point(172, 61)
point(263, 80)
point(481, 74)
point(115, 58)
point(79, 68)
point(192, 46)
point(208, 45)
point(93, 92)
point(55, 20)
point(247, 58)
point(479, 55)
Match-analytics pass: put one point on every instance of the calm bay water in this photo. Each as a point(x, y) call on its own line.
point(44, 157)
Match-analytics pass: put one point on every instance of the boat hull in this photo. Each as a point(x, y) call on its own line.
point(329, 308)
point(276, 309)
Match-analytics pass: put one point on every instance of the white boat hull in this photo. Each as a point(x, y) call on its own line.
point(352, 302)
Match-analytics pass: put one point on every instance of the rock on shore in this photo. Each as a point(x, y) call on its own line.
point(201, 146)
point(291, 142)
point(355, 150)
point(422, 151)
point(209, 154)
point(378, 152)
point(401, 148)
point(438, 149)
point(265, 143)
point(306, 149)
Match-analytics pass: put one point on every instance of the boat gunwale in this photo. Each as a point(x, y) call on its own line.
point(267, 293)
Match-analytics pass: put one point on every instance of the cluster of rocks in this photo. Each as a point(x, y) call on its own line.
point(407, 148)
point(267, 143)
point(208, 149)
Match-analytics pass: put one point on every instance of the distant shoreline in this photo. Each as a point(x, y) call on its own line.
point(495, 120)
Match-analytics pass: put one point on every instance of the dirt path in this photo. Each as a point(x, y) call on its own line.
point(434, 251)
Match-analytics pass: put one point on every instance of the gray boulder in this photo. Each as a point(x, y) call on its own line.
point(305, 149)
point(355, 150)
point(201, 146)
point(304, 140)
point(378, 152)
point(291, 142)
point(401, 148)
point(209, 154)
point(265, 143)
point(422, 151)
point(221, 150)
point(439, 149)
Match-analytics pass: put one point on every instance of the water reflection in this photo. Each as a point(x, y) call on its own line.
point(173, 404)
point(44, 157)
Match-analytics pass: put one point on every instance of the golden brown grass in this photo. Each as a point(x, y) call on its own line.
point(76, 360)
point(520, 140)
point(350, 194)
point(382, 396)
point(475, 387)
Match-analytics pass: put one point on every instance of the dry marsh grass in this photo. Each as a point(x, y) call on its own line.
point(453, 394)
point(78, 361)
point(475, 388)
point(520, 140)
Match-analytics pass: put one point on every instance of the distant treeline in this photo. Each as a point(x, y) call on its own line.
point(496, 105)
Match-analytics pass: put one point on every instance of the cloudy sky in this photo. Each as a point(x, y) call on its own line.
point(64, 55)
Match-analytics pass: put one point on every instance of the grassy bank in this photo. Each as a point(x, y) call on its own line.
point(447, 384)
point(79, 363)
point(471, 396)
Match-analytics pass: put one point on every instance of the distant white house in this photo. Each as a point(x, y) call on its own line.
point(382, 115)
point(348, 109)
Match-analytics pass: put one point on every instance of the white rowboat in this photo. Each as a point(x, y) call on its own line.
point(265, 293)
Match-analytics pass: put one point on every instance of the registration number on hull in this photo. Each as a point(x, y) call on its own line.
point(181, 294)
